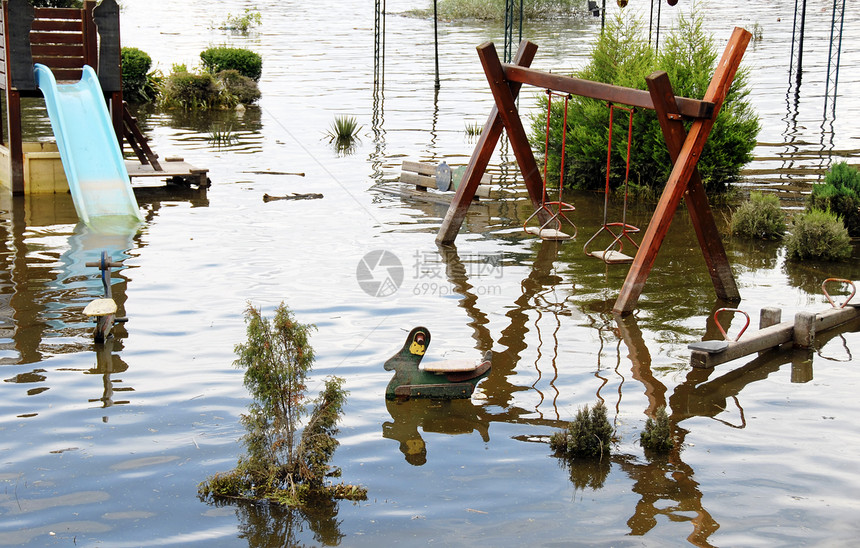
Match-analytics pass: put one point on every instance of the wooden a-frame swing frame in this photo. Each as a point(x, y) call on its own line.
point(505, 81)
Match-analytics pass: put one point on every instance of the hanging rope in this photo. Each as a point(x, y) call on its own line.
point(619, 232)
point(551, 229)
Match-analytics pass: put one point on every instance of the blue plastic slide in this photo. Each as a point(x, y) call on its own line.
point(88, 146)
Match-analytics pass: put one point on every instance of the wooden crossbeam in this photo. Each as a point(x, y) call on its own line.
point(691, 108)
point(480, 156)
point(683, 169)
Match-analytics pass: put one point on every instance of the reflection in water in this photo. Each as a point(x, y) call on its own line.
point(444, 417)
point(265, 525)
point(108, 363)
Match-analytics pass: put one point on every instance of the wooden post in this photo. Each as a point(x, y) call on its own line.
point(710, 241)
point(480, 157)
point(680, 176)
point(16, 149)
point(769, 316)
point(804, 329)
point(512, 123)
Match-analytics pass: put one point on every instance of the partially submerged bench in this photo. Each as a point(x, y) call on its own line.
point(445, 179)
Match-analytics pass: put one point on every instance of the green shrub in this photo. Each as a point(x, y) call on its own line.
point(139, 85)
point(588, 436)
point(818, 235)
point(243, 89)
point(623, 56)
point(189, 91)
point(759, 218)
point(840, 193)
point(343, 133)
point(245, 61)
point(657, 435)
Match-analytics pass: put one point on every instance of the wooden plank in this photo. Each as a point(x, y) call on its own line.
point(710, 239)
point(66, 75)
point(680, 176)
point(57, 13)
point(53, 62)
point(57, 50)
point(54, 25)
point(423, 168)
point(759, 341)
point(424, 182)
point(450, 366)
point(691, 108)
point(480, 157)
point(56, 38)
point(802, 331)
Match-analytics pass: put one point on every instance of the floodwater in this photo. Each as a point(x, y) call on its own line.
point(105, 445)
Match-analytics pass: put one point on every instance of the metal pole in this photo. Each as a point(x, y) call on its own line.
point(436, 40)
point(800, 42)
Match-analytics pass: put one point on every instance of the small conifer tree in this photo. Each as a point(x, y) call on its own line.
point(283, 464)
point(657, 435)
point(588, 436)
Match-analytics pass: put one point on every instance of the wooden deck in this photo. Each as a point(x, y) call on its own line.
point(172, 168)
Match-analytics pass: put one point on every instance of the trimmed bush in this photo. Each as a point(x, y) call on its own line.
point(818, 235)
point(840, 193)
point(622, 56)
point(138, 85)
point(245, 61)
point(759, 218)
point(588, 436)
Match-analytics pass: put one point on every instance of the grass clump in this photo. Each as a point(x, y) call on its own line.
point(623, 56)
point(343, 133)
point(818, 235)
point(242, 23)
point(588, 436)
point(245, 61)
point(283, 464)
point(494, 10)
point(840, 193)
point(657, 435)
point(759, 218)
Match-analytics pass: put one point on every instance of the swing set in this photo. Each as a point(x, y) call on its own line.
point(685, 148)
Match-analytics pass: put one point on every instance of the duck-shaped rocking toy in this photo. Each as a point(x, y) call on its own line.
point(450, 379)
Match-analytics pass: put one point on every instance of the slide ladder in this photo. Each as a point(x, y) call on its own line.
point(92, 159)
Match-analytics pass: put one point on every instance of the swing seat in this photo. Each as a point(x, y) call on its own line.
point(612, 257)
point(548, 233)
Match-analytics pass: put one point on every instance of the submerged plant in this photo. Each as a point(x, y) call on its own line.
point(657, 435)
point(588, 436)
point(242, 23)
point(473, 129)
point(284, 463)
point(221, 136)
point(818, 235)
point(343, 133)
point(759, 218)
